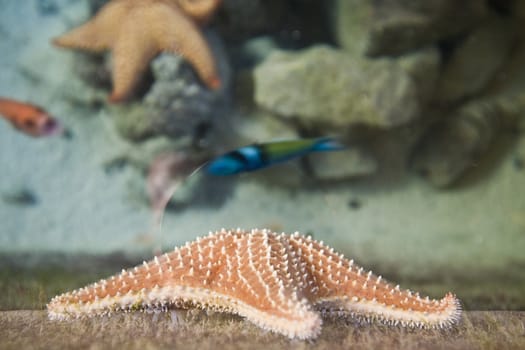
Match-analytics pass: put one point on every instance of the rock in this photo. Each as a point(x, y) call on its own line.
point(400, 26)
point(177, 104)
point(327, 88)
point(395, 27)
point(342, 165)
point(131, 121)
point(256, 126)
point(476, 60)
point(510, 79)
point(455, 142)
point(450, 147)
point(423, 68)
point(259, 126)
point(352, 20)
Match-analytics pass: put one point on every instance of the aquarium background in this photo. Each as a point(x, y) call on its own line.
point(429, 97)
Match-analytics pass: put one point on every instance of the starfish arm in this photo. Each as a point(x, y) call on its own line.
point(265, 273)
point(99, 33)
point(278, 282)
point(246, 280)
point(299, 323)
point(343, 287)
point(132, 52)
point(409, 310)
point(177, 34)
point(199, 10)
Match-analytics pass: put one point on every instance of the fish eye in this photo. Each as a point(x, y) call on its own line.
point(29, 123)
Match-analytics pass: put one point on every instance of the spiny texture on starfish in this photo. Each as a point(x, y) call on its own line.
point(136, 31)
point(283, 283)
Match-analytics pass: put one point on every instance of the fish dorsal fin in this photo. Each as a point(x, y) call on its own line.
point(158, 213)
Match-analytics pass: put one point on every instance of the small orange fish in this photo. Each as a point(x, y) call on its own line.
point(29, 119)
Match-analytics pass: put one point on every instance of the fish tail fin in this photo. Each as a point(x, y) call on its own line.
point(160, 209)
point(327, 144)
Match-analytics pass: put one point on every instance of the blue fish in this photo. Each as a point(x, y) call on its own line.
point(259, 156)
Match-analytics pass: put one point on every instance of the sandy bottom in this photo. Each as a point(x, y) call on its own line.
point(187, 330)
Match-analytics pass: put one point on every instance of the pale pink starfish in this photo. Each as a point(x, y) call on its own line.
point(283, 283)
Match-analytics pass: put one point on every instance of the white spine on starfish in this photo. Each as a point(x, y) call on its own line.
point(374, 310)
point(278, 282)
point(302, 324)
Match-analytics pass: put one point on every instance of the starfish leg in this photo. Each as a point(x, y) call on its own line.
point(200, 10)
point(268, 274)
point(97, 34)
point(184, 38)
point(131, 55)
point(274, 280)
point(362, 295)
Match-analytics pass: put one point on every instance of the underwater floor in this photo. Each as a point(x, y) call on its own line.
point(32, 330)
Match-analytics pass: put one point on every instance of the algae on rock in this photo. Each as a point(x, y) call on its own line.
point(322, 86)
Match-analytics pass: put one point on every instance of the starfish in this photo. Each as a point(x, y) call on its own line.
point(283, 283)
point(199, 10)
point(137, 30)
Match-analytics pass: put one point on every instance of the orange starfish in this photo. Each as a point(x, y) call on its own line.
point(137, 30)
point(283, 283)
point(199, 10)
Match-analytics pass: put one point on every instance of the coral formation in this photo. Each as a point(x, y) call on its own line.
point(442, 58)
point(176, 105)
point(399, 26)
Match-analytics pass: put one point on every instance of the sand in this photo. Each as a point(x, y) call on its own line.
point(32, 330)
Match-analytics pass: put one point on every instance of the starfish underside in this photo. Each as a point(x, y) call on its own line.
point(136, 31)
point(283, 283)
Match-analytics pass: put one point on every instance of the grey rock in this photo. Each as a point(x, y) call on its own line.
point(177, 103)
point(453, 145)
point(352, 23)
point(423, 68)
point(342, 165)
point(510, 78)
point(327, 88)
point(259, 126)
point(395, 27)
point(476, 61)
point(400, 26)
point(455, 142)
point(131, 121)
